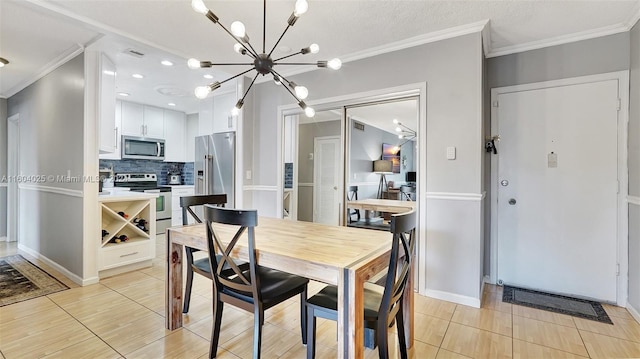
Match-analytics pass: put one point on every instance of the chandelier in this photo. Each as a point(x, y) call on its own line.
point(262, 63)
point(404, 132)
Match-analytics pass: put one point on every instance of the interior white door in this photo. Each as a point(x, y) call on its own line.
point(557, 190)
point(327, 189)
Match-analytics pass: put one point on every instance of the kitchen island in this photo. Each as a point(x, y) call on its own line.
point(128, 226)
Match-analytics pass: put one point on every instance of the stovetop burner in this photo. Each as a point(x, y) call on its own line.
point(139, 182)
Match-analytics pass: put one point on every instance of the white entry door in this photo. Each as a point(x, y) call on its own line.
point(557, 188)
point(327, 189)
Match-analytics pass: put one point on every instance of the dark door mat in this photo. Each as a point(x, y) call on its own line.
point(576, 307)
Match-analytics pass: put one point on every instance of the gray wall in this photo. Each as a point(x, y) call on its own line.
point(51, 142)
point(3, 166)
point(634, 171)
point(306, 135)
point(582, 58)
point(452, 72)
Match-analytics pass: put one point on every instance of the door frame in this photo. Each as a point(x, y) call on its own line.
point(623, 176)
point(13, 190)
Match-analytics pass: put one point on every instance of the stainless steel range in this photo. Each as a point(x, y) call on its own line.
point(148, 183)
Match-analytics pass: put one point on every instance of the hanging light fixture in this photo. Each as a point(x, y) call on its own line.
point(262, 63)
point(404, 132)
point(3, 61)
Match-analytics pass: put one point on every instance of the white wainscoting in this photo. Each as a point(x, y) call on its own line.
point(49, 189)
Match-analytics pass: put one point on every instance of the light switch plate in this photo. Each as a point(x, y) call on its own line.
point(451, 153)
point(248, 175)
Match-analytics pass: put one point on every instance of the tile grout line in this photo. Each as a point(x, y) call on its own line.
point(90, 331)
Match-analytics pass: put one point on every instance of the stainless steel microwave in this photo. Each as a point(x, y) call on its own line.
point(142, 148)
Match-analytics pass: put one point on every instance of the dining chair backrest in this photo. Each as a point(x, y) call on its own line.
point(226, 272)
point(403, 227)
point(406, 192)
point(352, 194)
point(187, 202)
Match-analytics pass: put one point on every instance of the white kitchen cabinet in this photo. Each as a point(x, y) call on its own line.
point(142, 120)
point(107, 104)
point(175, 125)
point(119, 218)
point(176, 210)
point(117, 154)
point(223, 121)
point(153, 122)
point(132, 118)
point(192, 133)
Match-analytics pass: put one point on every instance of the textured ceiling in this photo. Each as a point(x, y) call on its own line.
point(35, 33)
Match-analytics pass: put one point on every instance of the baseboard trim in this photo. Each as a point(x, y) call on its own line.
point(3, 239)
point(73, 277)
point(634, 312)
point(454, 298)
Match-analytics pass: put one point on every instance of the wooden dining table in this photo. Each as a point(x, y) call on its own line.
point(342, 256)
point(370, 205)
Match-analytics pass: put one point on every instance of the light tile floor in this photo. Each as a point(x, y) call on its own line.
point(123, 317)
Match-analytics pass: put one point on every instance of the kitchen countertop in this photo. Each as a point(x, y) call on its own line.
point(180, 185)
point(125, 196)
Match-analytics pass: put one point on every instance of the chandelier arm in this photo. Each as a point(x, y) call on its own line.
point(231, 64)
point(240, 74)
point(254, 50)
point(286, 87)
point(251, 51)
point(264, 27)
point(297, 63)
point(281, 36)
point(249, 88)
point(284, 57)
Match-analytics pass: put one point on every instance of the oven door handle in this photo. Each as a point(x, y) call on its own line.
point(152, 191)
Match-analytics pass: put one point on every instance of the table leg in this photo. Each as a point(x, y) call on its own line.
point(173, 292)
point(350, 323)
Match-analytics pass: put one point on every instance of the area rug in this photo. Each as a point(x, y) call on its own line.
point(576, 307)
point(21, 280)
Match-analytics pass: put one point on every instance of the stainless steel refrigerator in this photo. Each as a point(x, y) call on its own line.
point(214, 165)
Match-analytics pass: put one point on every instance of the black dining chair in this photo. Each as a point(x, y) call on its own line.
point(199, 266)
point(352, 195)
point(254, 289)
point(382, 306)
point(406, 192)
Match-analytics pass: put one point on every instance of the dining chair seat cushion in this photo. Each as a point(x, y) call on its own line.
point(203, 264)
point(328, 298)
point(274, 285)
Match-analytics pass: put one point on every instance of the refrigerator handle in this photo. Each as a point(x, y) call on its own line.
point(205, 176)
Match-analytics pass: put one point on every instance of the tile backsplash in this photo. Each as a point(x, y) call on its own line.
point(160, 168)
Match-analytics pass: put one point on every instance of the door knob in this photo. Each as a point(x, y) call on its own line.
point(512, 201)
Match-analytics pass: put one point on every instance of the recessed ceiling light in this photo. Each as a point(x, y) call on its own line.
point(3, 61)
point(123, 94)
point(110, 73)
point(138, 76)
point(166, 63)
point(171, 104)
point(207, 76)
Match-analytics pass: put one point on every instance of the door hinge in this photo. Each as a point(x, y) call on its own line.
point(495, 104)
point(618, 104)
point(617, 269)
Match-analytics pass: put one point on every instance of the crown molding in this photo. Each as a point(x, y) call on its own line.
point(396, 46)
point(565, 39)
point(67, 55)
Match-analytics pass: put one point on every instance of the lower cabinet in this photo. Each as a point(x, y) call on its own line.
point(176, 210)
point(128, 230)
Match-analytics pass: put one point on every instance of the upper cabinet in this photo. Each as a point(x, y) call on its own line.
point(107, 105)
point(141, 120)
point(117, 154)
point(175, 125)
point(223, 121)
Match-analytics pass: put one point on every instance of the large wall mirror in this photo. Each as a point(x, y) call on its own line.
point(323, 171)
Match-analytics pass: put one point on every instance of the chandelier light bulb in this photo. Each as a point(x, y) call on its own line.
point(314, 48)
point(276, 80)
point(239, 48)
point(300, 8)
point(309, 111)
point(199, 6)
point(400, 136)
point(301, 92)
point(193, 63)
point(395, 121)
point(238, 29)
point(202, 91)
point(235, 111)
point(334, 64)
point(398, 129)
